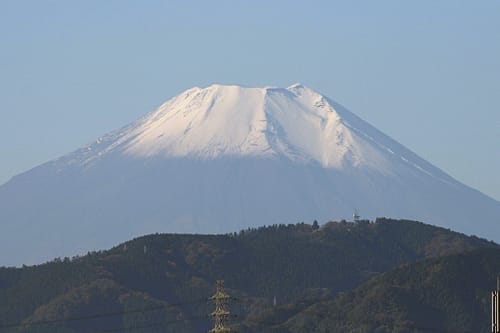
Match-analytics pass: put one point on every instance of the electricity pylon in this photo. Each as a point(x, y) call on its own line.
point(221, 314)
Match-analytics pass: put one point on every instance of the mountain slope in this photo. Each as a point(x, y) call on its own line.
point(223, 158)
point(287, 262)
point(447, 294)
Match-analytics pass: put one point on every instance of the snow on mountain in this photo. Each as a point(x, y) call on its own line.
point(296, 123)
point(224, 158)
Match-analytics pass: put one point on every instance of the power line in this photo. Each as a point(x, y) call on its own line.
point(368, 322)
point(151, 325)
point(421, 328)
point(100, 315)
point(167, 306)
point(133, 328)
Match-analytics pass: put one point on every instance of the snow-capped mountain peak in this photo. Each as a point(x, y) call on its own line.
point(297, 123)
point(224, 158)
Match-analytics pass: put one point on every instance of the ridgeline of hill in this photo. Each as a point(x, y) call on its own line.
point(329, 279)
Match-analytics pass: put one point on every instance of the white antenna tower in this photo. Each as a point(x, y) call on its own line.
point(356, 216)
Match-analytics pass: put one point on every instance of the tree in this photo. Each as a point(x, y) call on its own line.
point(315, 225)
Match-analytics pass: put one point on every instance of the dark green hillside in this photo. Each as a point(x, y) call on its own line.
point(448, 294)
point(178, 272)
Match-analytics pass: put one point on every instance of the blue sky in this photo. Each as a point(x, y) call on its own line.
point(425, 72)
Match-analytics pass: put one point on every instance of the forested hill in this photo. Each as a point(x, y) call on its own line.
point(447, 294)
point(175, 274)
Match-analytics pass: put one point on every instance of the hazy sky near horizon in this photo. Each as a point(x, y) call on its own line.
point(427, 73)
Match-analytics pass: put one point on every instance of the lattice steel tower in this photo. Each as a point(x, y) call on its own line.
point(221, 314)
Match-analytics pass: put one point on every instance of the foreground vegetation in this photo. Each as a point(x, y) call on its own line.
point(386, 276)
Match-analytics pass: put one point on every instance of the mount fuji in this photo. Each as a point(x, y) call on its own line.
point(225, 158)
